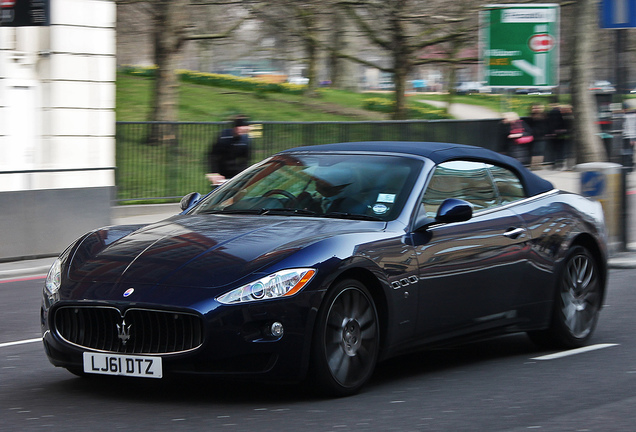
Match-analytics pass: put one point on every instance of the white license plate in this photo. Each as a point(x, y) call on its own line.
point(125, 365)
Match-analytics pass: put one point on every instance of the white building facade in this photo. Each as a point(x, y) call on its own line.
point(57, 127)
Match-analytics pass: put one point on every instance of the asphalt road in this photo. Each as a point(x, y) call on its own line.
point(496, 385)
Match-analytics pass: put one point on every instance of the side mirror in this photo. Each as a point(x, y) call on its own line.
point(454, 210)
point(189, 200)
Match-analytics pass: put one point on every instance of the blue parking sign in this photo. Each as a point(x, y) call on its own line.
point(592, 183)
point(618, 14)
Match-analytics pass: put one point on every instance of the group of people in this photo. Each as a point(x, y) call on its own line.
point(543, 135)
point(545, 132)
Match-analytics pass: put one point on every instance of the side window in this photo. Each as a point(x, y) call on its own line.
point(465, 180)
point(508, 185)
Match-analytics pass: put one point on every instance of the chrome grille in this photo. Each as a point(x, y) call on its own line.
point(137, 331)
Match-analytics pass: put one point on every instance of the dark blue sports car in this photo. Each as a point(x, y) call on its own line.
point(321, 261)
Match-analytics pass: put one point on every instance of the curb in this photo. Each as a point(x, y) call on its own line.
point(626, 261)
point(26, 268)
point(25, 272)
point(622, 263)
point(124, 211)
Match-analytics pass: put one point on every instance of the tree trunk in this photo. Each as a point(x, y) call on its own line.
point(311, 41)
point(586, 131)
point(455, 45)
point(337, 45)
point(169, 28)
point(399, 80)
point(311, 50)
point(401, 66)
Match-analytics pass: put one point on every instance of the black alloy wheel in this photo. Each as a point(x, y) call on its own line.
point(346, 339)
point(577, 304)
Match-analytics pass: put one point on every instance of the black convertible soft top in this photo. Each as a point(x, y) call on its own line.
point(438, 153)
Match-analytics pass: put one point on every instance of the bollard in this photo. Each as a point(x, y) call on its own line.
point(603, 182)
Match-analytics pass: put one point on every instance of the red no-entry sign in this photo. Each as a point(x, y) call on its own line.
point(541, 42)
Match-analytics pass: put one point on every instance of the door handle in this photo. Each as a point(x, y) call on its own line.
point(514, 233)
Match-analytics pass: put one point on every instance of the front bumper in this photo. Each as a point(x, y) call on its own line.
point(236, 339)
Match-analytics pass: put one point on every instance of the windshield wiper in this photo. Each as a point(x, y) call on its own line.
point(286, 211)
point(355, 216)
point(234, 211)
point(295, 212)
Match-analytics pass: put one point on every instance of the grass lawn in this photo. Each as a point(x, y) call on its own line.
point(205, 103)
point(173, 170)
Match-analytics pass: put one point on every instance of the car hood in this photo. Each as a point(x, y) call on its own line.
point(200, 250)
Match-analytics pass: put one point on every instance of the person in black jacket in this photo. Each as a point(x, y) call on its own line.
point(230, 154)
point(538, 123)
point(557, 131)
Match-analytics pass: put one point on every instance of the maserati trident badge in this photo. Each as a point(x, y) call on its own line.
point(123, 332)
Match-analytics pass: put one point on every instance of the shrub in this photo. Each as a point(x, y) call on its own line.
point(220, 80)
point(426, 112)
point(142, 71)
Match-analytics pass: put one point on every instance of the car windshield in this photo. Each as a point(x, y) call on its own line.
point(354, 186)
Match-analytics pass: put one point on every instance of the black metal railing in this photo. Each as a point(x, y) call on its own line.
point(168, 160)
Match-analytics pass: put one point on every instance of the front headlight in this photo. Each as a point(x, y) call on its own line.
point(53, 281)
point(284, 283)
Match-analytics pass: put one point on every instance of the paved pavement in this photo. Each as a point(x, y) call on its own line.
point(465, 111)
point(143, 214)
point(121, 215)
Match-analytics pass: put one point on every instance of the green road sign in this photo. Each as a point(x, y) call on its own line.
point(519, 45)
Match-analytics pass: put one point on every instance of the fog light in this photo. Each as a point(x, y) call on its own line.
point(276, 329)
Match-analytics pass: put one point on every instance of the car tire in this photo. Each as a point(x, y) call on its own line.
point(577, 303)
point(346, 340)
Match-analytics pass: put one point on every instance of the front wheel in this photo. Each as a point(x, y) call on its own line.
point(346, 339)
point(577, 304)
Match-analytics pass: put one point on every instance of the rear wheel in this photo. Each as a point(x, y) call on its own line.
point(577, 303)
point(346, 339)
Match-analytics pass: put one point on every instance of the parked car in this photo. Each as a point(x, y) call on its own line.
point(602, 87)
point(534, 91)
point(320, 261)
point(298, 80)
point(470, 87)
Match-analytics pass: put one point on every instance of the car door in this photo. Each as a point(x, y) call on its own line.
point(469, 272)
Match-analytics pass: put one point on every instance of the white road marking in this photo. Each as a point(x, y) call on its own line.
point(574, 351)
point(8, 344)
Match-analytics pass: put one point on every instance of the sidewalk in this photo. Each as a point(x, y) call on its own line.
point(145, 214)
point(121, 215)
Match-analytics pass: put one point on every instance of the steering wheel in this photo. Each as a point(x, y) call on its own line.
point(293, 202)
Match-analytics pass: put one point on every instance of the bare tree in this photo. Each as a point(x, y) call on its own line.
point(337, 44)
point(586, 131)
point(402, 28)
point(170, 21)
point(302, 21)
point(171, 29)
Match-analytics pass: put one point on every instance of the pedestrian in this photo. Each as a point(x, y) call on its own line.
point(230, 153)
point(629, 137)
point(539, 126)
point(557, 132)
point(516, 137)
point(568, 120)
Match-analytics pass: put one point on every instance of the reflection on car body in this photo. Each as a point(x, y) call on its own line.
point(320, 261)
